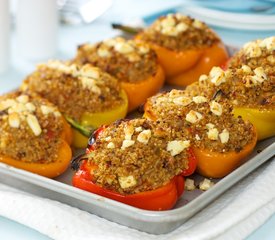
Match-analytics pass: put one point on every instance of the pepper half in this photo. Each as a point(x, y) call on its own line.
point(52, 169)
point(186, 48)
point(139, 91)
point(163, 198)
point(206, 59)
point(262, 119)
point(94, 120)
point(217, 165)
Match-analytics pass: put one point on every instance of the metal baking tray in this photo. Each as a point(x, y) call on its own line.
point(156, 222)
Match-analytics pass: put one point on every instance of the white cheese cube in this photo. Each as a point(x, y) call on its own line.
point(34, 124)
point(127, 182)
point(193, 116)
point(177, 146)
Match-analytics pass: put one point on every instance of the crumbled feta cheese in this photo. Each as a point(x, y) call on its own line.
point(268, 43)
point(168, 22)
point(210, 125)
point(206, 184)
point(34, 124)
point(143, 49)
point(90, 83)
point(213, 134)
point(14, 120)
point(129, 131)
point(123, 47)
point(252, 50)
point(144, 136)
point(224, 136)
point(246, 69)
point(181, 27)
point(177, 146)
point(182, 101)
point(108, 138)
point(7, 104)
point(217, 76)
point(260, 75)
point(197, 137)
point(197, 24)
point(46, 109)
point(127, 182)
point(193, 116)
point(127, 143)
point(111, 145)
point(30, 106)
point(138, 129)
point(216, 108)
point(89, 72)
point(23, 98)
point(133, 57)
point(189, 184)
point(203, 78)
point(18, 107)
point(199, 99)
point(103, 52)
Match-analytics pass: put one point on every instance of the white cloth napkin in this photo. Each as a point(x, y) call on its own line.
point(234, 215)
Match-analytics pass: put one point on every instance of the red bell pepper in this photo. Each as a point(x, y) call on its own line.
point(163, 198)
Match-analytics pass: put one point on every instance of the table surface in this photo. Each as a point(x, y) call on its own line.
point(69, 38)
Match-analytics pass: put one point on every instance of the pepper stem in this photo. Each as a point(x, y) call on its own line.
point(86, 131)
point(127, 29)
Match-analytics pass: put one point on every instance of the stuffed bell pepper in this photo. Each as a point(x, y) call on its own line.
point(220, 141)
point(137, 162)
point(86, 96)
point(250, 91)
point(34, 135)
point(186, 47)
point(133, 63)
point(257, 53)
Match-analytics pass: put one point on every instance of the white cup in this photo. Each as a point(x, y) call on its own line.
point(37, 28)
point(4, 35)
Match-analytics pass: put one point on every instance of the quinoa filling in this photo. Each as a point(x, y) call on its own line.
point(178, 33)
point(258, 53)
point(244, 87)
point(211, 123)
point(30, 128)
point(75, 90)
point(138, 155)
point(128, 61)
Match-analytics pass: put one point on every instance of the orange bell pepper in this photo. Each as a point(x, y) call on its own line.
point(173, 62)
point(67, 134)
point(138, 92)
point(51, 170)
point(217, 165)
point(163, 198)
point(209, 57)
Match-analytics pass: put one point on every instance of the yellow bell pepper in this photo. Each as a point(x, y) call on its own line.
point(94, 120)
point(262, 119)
